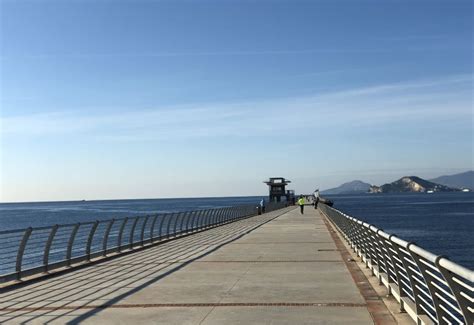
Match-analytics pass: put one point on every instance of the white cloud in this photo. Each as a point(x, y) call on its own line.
point(377, 105)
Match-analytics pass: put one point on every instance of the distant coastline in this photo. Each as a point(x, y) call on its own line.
point(414, 184)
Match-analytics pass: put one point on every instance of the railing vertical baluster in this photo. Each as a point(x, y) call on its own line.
point(152, 228)
point(213, 217)
point(160, 225)
point(132, 233)
point(427, 276)
point(384, 260)
point(106, 237)
point(176, 223)
point(410, 274)
point(210, 219)
point(47, 247)
point(21, 251)
point(168, 227)
point(222, 216)
point(89, 240)
point(70, 244)
point(119, 238)
point(463, 301)
point(202, 223)
point(184, 222)
point(142, 236)
point(195, 219)
point(201, 219)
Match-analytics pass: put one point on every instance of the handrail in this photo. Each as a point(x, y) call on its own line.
point(430, 288)
point(31, 251)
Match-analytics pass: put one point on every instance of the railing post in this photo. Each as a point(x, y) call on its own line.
point(233, 212)
point(160, 225)
point(386, 265)
point(222, 216)
point(143, 230)
point(47, 247)
point(119, 238)
point(410, 274)
point(21, 250)
point(71, 243)
point(396, 259)
point(106, 237)
point(195, 219)
point(428, 278)
point(152, 228)
point(204, 220)
point(132, 232)
point(212, 216)
point(212, 219)
point(459, 289)
point(176, 222)
point(168, 226)
point(89, 240)
point(184, 221)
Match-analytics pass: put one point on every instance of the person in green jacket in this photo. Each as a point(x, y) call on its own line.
point(301, 204)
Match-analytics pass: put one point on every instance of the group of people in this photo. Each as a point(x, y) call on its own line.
point(302, 202)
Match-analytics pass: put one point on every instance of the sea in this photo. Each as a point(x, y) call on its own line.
point(442, 223)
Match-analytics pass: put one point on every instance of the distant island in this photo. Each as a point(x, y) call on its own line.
point(462, 180)
point(409, 184)
point(354, 187)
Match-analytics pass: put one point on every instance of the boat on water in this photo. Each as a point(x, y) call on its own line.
point(430, 191)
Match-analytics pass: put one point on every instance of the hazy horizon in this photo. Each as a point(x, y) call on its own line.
point(260, 194)
point(151, 99)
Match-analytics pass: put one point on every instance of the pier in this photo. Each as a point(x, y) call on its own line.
point(279, 267)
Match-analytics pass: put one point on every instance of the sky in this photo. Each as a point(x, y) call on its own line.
point(147, 99)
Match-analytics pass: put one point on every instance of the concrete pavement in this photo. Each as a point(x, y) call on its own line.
point(278, 268)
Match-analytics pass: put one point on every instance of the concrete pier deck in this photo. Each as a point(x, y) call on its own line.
point(277, 268)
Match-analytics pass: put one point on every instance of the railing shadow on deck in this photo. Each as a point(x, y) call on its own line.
point(91, 285)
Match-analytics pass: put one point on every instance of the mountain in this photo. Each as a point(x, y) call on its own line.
point(411, 184)
point(462, 180)
point(353, 187)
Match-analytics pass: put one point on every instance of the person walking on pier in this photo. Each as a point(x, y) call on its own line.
point(301, 204)
point(262, 205)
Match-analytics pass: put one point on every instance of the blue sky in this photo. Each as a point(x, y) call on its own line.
point(143, 99)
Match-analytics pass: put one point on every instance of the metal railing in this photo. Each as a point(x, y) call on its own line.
point(32, 251)
point(430, 288)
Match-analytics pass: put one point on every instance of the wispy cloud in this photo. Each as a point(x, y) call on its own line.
point(230, 53)
point(420, 100)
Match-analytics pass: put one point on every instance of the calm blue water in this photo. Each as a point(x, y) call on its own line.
point(23, 215)
point(442, 223)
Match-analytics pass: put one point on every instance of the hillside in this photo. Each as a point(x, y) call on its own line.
point(353, 187)
point(462, 180)
point(411, 184)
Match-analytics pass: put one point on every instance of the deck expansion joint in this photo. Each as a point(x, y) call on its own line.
point(181, 305)
point(274, 261)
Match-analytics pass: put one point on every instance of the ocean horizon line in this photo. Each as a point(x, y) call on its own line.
point(135, 199)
